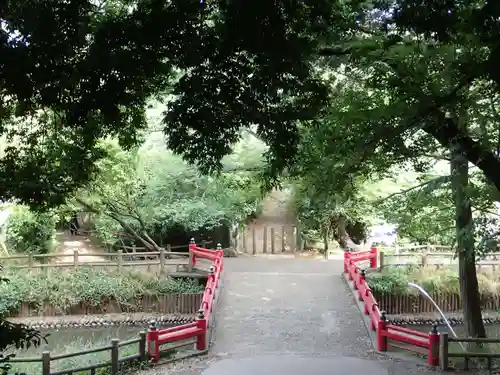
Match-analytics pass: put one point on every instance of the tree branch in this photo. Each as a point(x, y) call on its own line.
point(439, 180)
point(449, 135)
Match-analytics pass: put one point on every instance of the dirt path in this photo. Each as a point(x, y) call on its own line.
point(276, 213)
point(85, 247)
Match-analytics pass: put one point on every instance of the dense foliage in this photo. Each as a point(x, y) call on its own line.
point(147, 191)
point(29, 231)
point(88, 70)
point(14, 336)
point(86, 286)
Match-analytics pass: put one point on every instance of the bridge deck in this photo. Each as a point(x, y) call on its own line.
point(293, 316)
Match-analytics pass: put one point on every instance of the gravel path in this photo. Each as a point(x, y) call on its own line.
point(287, 306)
point(286, 316)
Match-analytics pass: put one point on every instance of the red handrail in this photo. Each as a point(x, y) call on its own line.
point(197, 329)
point(386, 332)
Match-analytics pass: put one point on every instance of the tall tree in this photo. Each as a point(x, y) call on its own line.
point(82, 70)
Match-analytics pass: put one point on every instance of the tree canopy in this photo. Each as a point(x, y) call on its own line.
point(343, 94)
point(73, 72)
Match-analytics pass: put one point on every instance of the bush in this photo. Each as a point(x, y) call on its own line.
point(31, 232)
point(444, 280)
point(85, 285)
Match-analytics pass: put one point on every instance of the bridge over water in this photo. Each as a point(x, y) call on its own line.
point(292, 317)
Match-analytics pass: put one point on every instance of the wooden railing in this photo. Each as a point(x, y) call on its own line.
point(445, 354)
point(156, 342)
point(269, 240)
point(163, 260)
point(388, 335)
point(415, 249)
point(442, 258)
point(198, 332)
point(115, 363)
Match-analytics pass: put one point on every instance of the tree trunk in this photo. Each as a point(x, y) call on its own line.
point(325, 241)
point(342, 236)
point(147, 241)
point(469, 289)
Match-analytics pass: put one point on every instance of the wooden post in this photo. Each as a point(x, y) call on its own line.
point(142, 347)
point(424, 260)
point(152, 342)
point(381, 329)
point(283, 242)
point(433, 350)
point(162, 260)
point(254, 242)
point(75, 258)
point(273, 247)
point(190, 261)
point(201, 323)
point(119, 260)
point(264, 240)
point(30, 261)
point(244, 239)
point(115, 356)
point(381, 259)
point(46, 363)
point(443, 351)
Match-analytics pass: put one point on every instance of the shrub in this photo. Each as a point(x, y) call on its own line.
point(31, 232)
point(443, 280)
point(85, 285)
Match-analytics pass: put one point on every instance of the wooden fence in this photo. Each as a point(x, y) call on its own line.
point(491, 261)
point(164, 260)
point(477, 351)
point(269, 240)
point(115, 363)
point(414, 249)
point(173, 303)
point(415, 304)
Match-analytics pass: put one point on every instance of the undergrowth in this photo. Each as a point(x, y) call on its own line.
point(85, 285)
point(443, 280)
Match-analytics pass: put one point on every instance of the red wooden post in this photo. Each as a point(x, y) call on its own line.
point(220, 253)
point(152, 338)
point(373, 259)
point(365, 305)
point(362, 285)
point(433, 350)
point(347, 256)
point(192, 256)
point(381, 330)
point(211, 273)
point(201, 340)
point(355, 278)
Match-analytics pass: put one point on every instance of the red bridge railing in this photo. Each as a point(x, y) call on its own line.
point(426, 344)
point(196, 331)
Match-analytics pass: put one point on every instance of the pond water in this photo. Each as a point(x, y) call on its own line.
point(70, 340)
